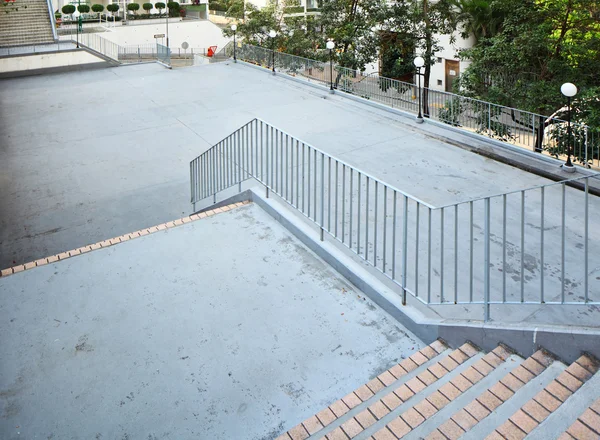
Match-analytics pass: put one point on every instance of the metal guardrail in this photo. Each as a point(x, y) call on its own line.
point(531, 246)
point(163, 54)
point(524, 129)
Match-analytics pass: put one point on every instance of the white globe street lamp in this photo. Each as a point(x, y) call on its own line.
point(330, 45)
point(419, 62)
point(234, 28)
point(569, 90)
point(272, 35)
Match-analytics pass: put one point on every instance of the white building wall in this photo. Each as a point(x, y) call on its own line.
point(445, 57)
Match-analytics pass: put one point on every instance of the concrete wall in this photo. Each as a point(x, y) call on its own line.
point(31, 64)
point(449, 53)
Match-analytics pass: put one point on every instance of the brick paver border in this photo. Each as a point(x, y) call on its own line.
point(119, 239)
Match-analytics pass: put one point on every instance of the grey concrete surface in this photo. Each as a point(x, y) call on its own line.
point(226, 328)
point(91, 155)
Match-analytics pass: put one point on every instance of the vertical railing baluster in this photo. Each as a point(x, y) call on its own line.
point(562, 250)
point(329, 194)
point(337, 184)
point(322, 194)
point(455, 254)
point(542, 245)
point(442, 255)
point(375, 227)
point(359, 188)
point(486, 262)
point(404, 249)
point(418, 212)
point(384, 226)
point(351, 202)
point(471, 252)
point(586, 239)
point(429, 256)
point(522, 246)
point(504, 248)
point(315, 186)
point(394, 236)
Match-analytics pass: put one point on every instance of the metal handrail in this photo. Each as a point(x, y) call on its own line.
point(406, 239)
point(513, 126)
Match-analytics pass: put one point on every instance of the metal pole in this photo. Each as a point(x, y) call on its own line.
point(330, 71)
point(167, 25)
point(420, 115)
point(273, 53)
point(234, 57)
point(570, 144)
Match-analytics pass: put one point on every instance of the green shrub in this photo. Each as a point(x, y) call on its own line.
point(57, 15)
point(133, 7)
point(112, 8)
point(84, 9)
point(173, 9)
point(147, 7)
point(97, 8)
point(160, 6)
point(68, 9)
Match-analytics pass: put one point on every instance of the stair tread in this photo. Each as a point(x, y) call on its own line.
point(520, 424)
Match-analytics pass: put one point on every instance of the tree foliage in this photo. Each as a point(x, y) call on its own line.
point(84, 9)
point(147, 7)
point(112, 8)
point(68, 9)
point(160, 6)
point(98, 8)
point(134, 7)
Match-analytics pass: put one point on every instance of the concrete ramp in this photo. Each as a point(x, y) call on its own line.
point(220, 327)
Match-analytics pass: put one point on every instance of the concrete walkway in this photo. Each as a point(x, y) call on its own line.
point(225, 328)
point(91, 155)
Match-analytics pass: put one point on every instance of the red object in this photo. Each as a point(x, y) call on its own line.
point(211, 51)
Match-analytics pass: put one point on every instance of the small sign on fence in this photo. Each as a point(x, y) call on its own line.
point(159, 35)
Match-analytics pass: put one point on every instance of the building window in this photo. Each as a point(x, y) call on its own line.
point(439, 60)
point(439, 82)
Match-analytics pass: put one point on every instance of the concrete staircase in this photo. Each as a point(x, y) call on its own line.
point(26, 23)
point(440, 394)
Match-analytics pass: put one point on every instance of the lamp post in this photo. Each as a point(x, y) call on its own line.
point(234, 28)
point(569, 90)
point(167, 21)
point(419, 62)
point(330, 45)
point(272, 35)
point(76, 15)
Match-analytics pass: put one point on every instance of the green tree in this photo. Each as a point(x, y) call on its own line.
point(478, 18)
point(68, 9)
point(541, 44)
point(160, 6)
point(147, 7)
point(417, 24)
point(134, 7)
point(97, 8)
point(113, 8)
point(351, 24)
point(173, 9)
point(84, 9)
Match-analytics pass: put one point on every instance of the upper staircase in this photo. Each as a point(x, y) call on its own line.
point(27, 22)
point(444, 394)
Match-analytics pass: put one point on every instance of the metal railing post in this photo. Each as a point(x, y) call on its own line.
point(486, 262)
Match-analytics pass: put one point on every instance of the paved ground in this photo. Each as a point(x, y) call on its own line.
point(92, 155)
point(225, 328)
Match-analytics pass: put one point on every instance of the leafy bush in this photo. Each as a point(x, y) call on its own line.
point(147, 7)
point(57, 15)
point(113, 7)
point(68, 9)
point(97, 8)
point(84, 9)
point(160, 6)
point(133, 7)
point(173, 9)
point(182, 13)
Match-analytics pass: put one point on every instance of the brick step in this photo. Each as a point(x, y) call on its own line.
point(459, 391)
point(390, 392)
point(537, 410)
point(519, 385)
point(439, 394)
point(587, 425)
